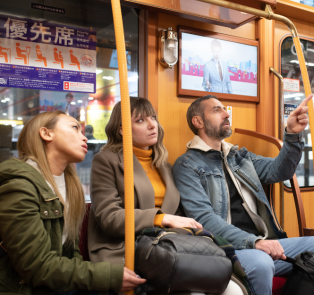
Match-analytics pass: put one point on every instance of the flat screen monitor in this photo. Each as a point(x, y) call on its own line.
point(217, 64)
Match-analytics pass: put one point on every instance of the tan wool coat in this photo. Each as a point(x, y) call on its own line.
point(106, 220)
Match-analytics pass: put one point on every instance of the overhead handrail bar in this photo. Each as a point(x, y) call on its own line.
point(127, 137)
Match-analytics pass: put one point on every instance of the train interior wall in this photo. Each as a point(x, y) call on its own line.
point(305, 29)
point(161, 90)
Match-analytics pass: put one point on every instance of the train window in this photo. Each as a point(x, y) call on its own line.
point(293, 95)
point(41, 45)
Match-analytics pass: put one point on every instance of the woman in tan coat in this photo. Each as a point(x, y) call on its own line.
point(155, 195)
point(156, 198)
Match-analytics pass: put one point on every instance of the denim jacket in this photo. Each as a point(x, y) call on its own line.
point(200, 179)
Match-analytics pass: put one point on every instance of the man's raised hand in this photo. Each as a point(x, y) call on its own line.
point(298, 119)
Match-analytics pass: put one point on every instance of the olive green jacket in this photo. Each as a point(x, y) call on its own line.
point(31, 225)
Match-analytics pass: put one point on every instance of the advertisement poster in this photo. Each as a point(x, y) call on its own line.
point(46, 56)
point(306, 2)
point(213, 60)
point(291, 85)
point(288, 108)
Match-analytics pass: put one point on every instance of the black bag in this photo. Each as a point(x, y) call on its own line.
point(301, 280)
point(173, 262)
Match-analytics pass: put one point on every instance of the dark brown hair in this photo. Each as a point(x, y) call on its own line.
point(139, 106)
point(197, 109)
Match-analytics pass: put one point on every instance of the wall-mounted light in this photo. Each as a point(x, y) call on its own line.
point(168, 48)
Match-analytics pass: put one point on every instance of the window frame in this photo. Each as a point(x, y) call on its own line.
point(283, 38)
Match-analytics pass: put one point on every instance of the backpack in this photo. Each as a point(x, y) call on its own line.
point(301, 279)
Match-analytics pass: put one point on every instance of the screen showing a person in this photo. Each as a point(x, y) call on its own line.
point(216, 65)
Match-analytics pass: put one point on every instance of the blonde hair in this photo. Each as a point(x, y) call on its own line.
point(30, 145)
point(143, 107)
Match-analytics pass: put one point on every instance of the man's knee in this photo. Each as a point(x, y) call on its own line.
point(265, 265)
point(309, 241)
point(258, 264)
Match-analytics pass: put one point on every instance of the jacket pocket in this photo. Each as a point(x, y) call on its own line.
point(10, 281)
point(107, 245)
point(247, 179)
point(211, 181)
point(51, 209)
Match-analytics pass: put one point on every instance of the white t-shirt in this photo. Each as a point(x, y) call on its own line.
point(60, 182)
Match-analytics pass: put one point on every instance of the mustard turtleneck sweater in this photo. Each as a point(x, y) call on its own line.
point(145, 159)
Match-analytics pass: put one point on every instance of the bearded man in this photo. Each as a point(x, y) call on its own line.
point(221, 188)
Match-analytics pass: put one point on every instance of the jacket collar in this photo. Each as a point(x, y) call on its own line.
point(145, 191)
point(199, 144)
point(15, 168)
point(172, 196)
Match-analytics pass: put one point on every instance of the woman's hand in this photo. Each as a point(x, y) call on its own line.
point(130, 280)
point(178, 221)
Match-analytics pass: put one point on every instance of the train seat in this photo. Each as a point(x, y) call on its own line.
point(243, 138)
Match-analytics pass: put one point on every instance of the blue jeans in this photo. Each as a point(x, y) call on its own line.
point(83, 292)
point(260, 268)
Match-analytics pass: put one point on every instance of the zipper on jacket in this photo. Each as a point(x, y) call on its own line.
point(243, 176)
point(21, 285)
point(256, 189)
point(247, 180)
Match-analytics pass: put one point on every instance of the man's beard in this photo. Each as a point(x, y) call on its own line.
point(220, 132)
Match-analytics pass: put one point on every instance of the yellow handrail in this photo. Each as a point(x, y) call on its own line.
point(127, 137)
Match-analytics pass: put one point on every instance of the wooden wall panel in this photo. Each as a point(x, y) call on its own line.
point(152, 53)
point(265, 109)
point(172, 109)
point(162, 92)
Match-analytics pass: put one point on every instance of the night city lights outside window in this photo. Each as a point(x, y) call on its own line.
point(62, 58)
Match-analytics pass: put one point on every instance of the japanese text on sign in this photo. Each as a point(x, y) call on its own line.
point(48, 8)
point(291, 85)
point(52, 54)
point(289, 108)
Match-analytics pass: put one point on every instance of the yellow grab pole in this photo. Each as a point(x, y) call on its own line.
point(306, 82)
point(268, 13)
point(127, 137)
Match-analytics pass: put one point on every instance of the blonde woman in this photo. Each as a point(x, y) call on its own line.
point(156, 197)
point(41, 208)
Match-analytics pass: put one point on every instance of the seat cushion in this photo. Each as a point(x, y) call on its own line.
point(278, 283)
